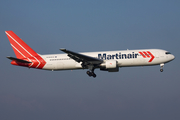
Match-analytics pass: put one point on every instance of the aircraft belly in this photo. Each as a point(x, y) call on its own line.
point(69, 65)
point(62, 65)
point(49, 66)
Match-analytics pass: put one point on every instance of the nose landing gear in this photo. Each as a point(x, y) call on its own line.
point(161, 65)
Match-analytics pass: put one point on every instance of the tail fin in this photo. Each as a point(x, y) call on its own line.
point(21, 49)
point(26, 56)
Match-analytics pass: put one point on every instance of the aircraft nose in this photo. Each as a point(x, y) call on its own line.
point(173, 57)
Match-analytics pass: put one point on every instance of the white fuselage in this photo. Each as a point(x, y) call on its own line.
point(105, 60)
point(125, 58)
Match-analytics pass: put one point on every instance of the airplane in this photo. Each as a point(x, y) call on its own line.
point(109, 61)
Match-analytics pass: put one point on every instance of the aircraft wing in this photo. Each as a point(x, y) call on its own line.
point(18, 60)
point(82, 58)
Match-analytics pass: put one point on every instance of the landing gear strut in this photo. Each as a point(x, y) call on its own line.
point(91, 72)
point(161, 65)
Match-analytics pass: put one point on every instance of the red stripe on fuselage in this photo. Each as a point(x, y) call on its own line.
point(146, 54)
point(142, 54)
point(152, 56)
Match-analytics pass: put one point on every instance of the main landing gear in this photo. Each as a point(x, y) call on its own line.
point(161, 65)
point(91, 72)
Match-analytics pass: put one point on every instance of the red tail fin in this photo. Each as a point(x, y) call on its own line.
point(26, 56)
point(21, 49)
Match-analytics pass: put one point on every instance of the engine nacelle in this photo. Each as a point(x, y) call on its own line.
point(110, 66)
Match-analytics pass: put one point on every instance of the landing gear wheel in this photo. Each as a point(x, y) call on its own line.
point(94, 75)
point(89, 73)
point(161, 70)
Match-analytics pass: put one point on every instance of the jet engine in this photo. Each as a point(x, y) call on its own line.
point(110, 66)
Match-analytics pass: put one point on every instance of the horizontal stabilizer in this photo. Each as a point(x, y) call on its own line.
point(18, 60)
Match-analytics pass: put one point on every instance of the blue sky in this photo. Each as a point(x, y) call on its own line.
point(136, 93)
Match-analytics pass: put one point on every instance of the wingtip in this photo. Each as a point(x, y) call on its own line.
point(62, 49)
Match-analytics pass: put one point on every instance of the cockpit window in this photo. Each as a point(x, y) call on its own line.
point(168, 53)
